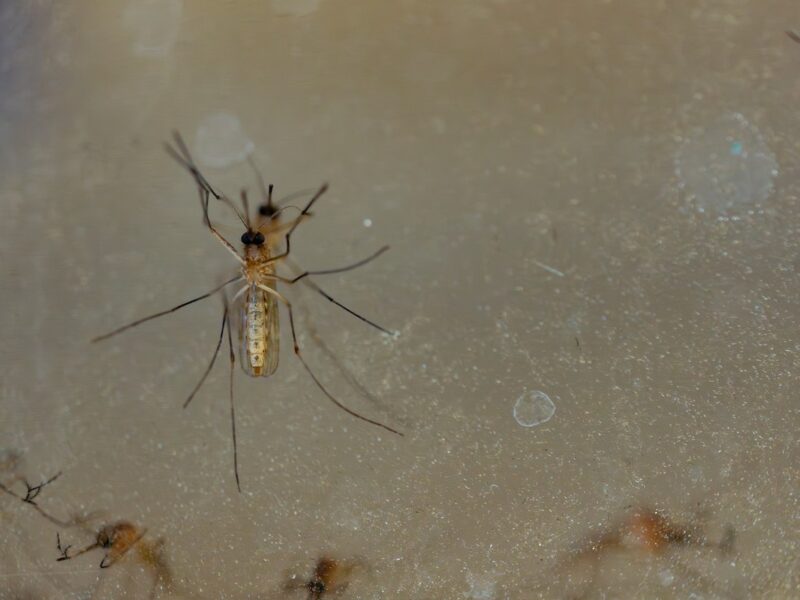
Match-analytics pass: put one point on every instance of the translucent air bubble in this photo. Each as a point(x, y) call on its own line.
point(220, 141)
point(726, 166)
point(533, 408)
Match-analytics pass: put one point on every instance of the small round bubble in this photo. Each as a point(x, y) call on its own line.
point(533, 408)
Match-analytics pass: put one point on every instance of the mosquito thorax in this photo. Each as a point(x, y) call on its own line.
point(252, 238)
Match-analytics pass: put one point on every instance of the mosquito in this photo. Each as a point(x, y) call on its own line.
point(117, 540)
point(254, 306)
point(330, 576)
point(646, 532)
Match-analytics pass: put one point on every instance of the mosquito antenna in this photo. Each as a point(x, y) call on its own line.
point(213, 359)
point(246, 207)
point(204, 194)
point(244, 219)
point(230, 395)
point(164, 312)
point(355, 265)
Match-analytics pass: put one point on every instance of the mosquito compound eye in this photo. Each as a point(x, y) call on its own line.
point(258, 238)
point(247, 238)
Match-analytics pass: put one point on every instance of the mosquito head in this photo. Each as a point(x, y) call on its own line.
point(252, 238)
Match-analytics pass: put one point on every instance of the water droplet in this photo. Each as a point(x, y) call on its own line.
point(533, 408)
point(726, 167)
point(220, 141)
point(367, 222)
point(154, 25)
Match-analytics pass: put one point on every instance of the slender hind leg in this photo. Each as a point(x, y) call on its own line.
point(213, 358)
point(232, 357)
point(184, 158)
point(297, 353)
point(164, 312)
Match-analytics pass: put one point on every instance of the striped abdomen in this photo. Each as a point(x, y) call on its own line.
point(258, 334)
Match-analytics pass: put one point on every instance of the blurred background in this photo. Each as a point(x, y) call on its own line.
point(592, 213)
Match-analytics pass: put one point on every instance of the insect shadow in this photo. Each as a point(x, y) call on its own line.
point(253, 308)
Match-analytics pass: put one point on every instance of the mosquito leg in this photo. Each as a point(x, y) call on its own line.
point(317, 289)
point(233, 411)
point(35, 490)
point(64, 550)
point(320, 291)
point(184, 158)
point(349, 411)
point(165, 312)
point(297, 222)
point(239, 294)
point(228, 246)
point(213, 359)
point(30, 496)
point(355, 265)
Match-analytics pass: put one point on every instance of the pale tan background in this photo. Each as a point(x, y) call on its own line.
point(620, 172)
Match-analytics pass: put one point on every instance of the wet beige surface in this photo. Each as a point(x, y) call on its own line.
point(594, 200)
